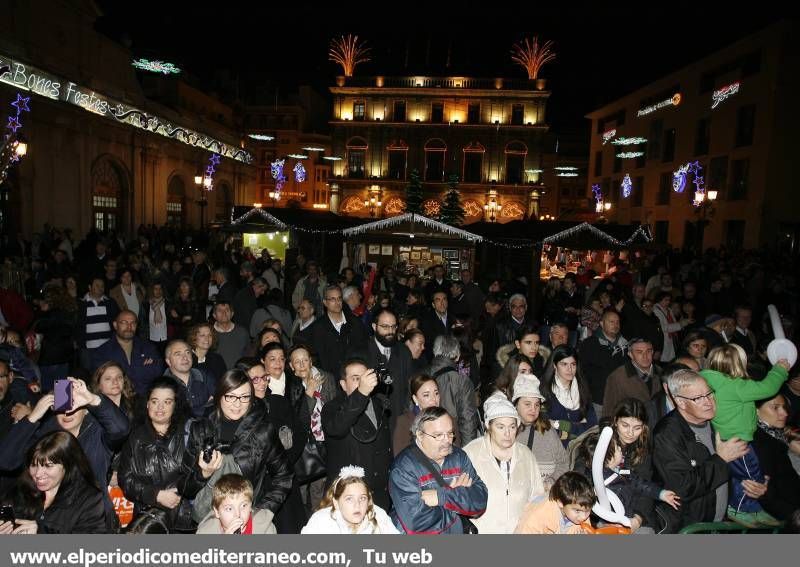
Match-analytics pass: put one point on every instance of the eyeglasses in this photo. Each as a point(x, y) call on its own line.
point(163, 403)
point(696, 400)
point(387, 327)
point(232, 398)
point(255, 379)
point(440, 436)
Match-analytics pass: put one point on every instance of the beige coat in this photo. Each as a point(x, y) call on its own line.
point(262, 523)
point(507, 497)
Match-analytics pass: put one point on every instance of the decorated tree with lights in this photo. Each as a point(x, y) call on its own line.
point(452, 209)
point(414, 193)
point(532, 56)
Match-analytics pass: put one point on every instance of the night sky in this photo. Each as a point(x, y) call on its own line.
point(600, 55)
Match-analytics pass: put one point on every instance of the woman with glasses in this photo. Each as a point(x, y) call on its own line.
point(238, 434)
point(567, 395)
point(150, 462)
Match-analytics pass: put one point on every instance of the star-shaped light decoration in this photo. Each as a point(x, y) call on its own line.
point(13, 124)
point(21, 104)
point(215, 159)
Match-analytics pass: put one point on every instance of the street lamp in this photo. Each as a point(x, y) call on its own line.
point(491, 209)
point(373, 204)
point(204, 185)
point(275, 196)
point(704, 209)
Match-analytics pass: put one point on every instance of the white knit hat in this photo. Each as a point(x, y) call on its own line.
point(497, 405)
point(526, 386)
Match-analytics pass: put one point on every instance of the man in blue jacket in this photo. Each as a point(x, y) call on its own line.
point(138, 357)
point(422, 505)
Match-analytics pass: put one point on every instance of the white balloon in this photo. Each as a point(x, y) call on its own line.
point(608, 506)
point(780, 347)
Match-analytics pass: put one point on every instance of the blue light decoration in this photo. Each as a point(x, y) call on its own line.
point(213, 162)
point(679, 179)
point(156, 66)
point(598, 193)
point(9, 153)
point(627, 186)
point(276, 168)
point(299, 172)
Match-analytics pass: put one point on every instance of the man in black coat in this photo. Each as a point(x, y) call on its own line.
point(356, 427)
point(385, 350)
point(509, 324)
point(336, 334)
point(438, 283)
point(689, 457)
point(438, 321)
point(226, 290)
point(601, 354)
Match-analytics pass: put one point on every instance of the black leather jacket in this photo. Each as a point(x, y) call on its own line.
point(257, 450)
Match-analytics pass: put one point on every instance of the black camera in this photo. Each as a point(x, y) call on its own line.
point(7, 514)
point(383, 374)
point(208, 449)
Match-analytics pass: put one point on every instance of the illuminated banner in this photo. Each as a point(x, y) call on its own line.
point(720, 95)
point(23, 76)
point(674, 100)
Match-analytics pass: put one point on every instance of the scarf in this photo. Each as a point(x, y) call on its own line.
point(316, 413)
point(670, 320)
point(570, 399)
point(774, 432)
point(155, 305)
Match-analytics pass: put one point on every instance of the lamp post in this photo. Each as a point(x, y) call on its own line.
point(203, 184)
point(704, 210)
point(373, 204)
point(275, 196)
point(491, 207)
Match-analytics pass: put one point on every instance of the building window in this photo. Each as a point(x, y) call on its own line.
point(399, 111)
point(661, 235)
point(224, 202)
point(474, 114)
point(669, 145)
point(437, 113)
point(473, 163)
point(359, 110)
point(654, 140)
point(356, 157)
point(734, 234)
point(664, 188)
point(397, 163)
point(107, 191)
point(702, 139)
point(518, 114)
point(598, 163)
point(718, 174)
point(617, 164)
point(641, 161)
point(176, 198)
point(435, 152)
point(515, 162)
point(615, 191)
point(638, 191)
point(745, 125)
point(740, 172)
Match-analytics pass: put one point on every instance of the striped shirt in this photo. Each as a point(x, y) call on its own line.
point(98, 321)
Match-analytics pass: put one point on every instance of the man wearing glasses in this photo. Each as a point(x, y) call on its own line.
point(423, 503)
point(385, 352)
point(691, 459)
point(336, 334)
point(356, 427)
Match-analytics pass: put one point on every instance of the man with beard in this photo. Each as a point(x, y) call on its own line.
point(385, 352)
point(138, 358)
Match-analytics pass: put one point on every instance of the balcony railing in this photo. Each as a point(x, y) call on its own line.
point(443, 82)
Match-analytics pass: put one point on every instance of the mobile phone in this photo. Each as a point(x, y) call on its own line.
point(63, 395)
point(7, 514)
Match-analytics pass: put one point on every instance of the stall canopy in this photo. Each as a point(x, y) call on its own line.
point(577, 236)
point(246, 219)
point(412, 224)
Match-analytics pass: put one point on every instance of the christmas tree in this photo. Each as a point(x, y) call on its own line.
point(452, 210)
point(414, 194)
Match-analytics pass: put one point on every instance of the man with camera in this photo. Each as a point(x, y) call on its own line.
point(356, 427)
point(392, 363)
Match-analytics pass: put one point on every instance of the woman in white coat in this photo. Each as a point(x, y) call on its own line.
point(347, 508)
point(508, 468)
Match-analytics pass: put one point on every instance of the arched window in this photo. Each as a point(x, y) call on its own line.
point(398, 152)
point(176, 201)
point(107, 196)
point(435, 154)
point(515, 162)
point(224, 201)
point(473, 163)
point(357, 157)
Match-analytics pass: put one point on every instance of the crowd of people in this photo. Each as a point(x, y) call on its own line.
point(178, 383)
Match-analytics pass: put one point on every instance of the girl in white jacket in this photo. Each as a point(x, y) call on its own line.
point(347, 508)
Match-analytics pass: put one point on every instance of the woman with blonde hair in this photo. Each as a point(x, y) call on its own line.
point(347, 508)
point(203, 340)
point(110, 380)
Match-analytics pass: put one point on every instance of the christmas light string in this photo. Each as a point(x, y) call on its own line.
point(8, 151)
